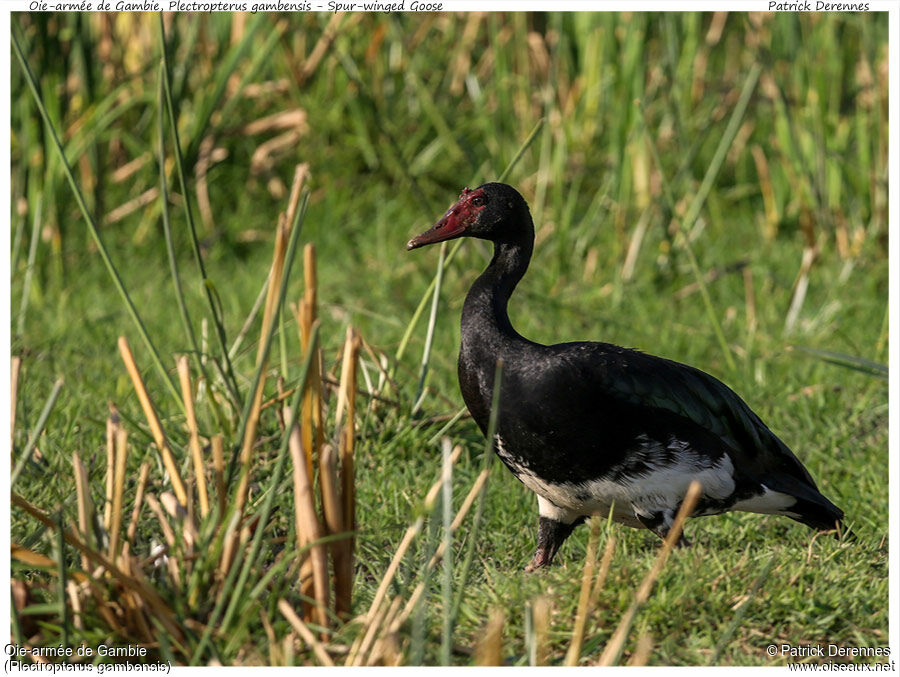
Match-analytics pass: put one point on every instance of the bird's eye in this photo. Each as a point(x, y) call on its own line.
point(478, 200)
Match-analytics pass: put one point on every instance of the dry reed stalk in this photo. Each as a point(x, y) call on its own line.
point(112, 423)
point(301, 174)
point(750, 300)
point(347, 396)
point(711, 276)
point(489, 650)
point(130, 168)
point(584, 599)
point(311, 425)
point(142, 611)
point(714, 34)
point(183, 515)
point(256, 90)
point(132, 206)
point(161, 611)
point(83, 495)
point(310, 283)
point(287, 119)
point(362, 646)
point(156, 509)
point(605, 564)
point(15, 368)
point(218, 454)
point(382, 369)
point(274, 657)
point(358, 651)
point(264, 157)
point(305, 314)
point(318, 52)
point(307, 524)
point(272, 292)
point(332, 511)
point(141, 621)
point(463, 57)
point(124, 559)
point(801, 285)
point(279, 398)
point(634, 245)
point(115, 531)
point(770, 230)
point(378, 649)
point(810, 255)
point(540, 615)
point(391, 655)
point(287, 648)
point(304, 632)
point(328, 483)
point(207, 156)
point(152, 419)
point(36, 559)
point(184, 375)
point(138, 501)
point(591, 261)
point(103, 607)
point(411, 532)
point(347, 390)
point(439, 551)
point(75, 602)
point(642, 650)
point(613, 648)
point(231, 542)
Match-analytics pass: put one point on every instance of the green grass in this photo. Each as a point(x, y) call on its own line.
point(402, 111)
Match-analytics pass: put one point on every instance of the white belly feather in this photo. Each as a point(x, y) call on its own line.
point(660, 488)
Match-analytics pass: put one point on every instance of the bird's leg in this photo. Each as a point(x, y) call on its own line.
point(554, 527)
point(660, 523)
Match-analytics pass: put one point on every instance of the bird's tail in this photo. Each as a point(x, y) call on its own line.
point(814, 510)
point(821, 514)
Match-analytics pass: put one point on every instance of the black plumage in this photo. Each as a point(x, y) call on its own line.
point(587, 425)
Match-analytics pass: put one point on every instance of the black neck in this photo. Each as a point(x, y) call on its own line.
point(485, 306)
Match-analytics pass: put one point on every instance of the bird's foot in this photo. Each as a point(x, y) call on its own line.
point(541, 558)
point(682, 542)
point(660, 523)
point(551, 534)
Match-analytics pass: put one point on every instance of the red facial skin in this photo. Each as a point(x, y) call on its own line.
point(455, 222)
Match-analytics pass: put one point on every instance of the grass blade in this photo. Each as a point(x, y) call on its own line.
point(272, 490)
point(195, 243)
point(703, 192)
point(153, 421)
point(95, 234)
point(38, 429)
point(843, 360)
point(267, 343)
point(170, 251)
point(447, 578)
point(479, 511)
point(584, 599)
point(742, 609)
point(15, 370)
point(613, 650)
point(29, 266)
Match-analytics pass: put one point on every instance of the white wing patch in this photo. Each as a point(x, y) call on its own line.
point(660, 488)
point(769, 502)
